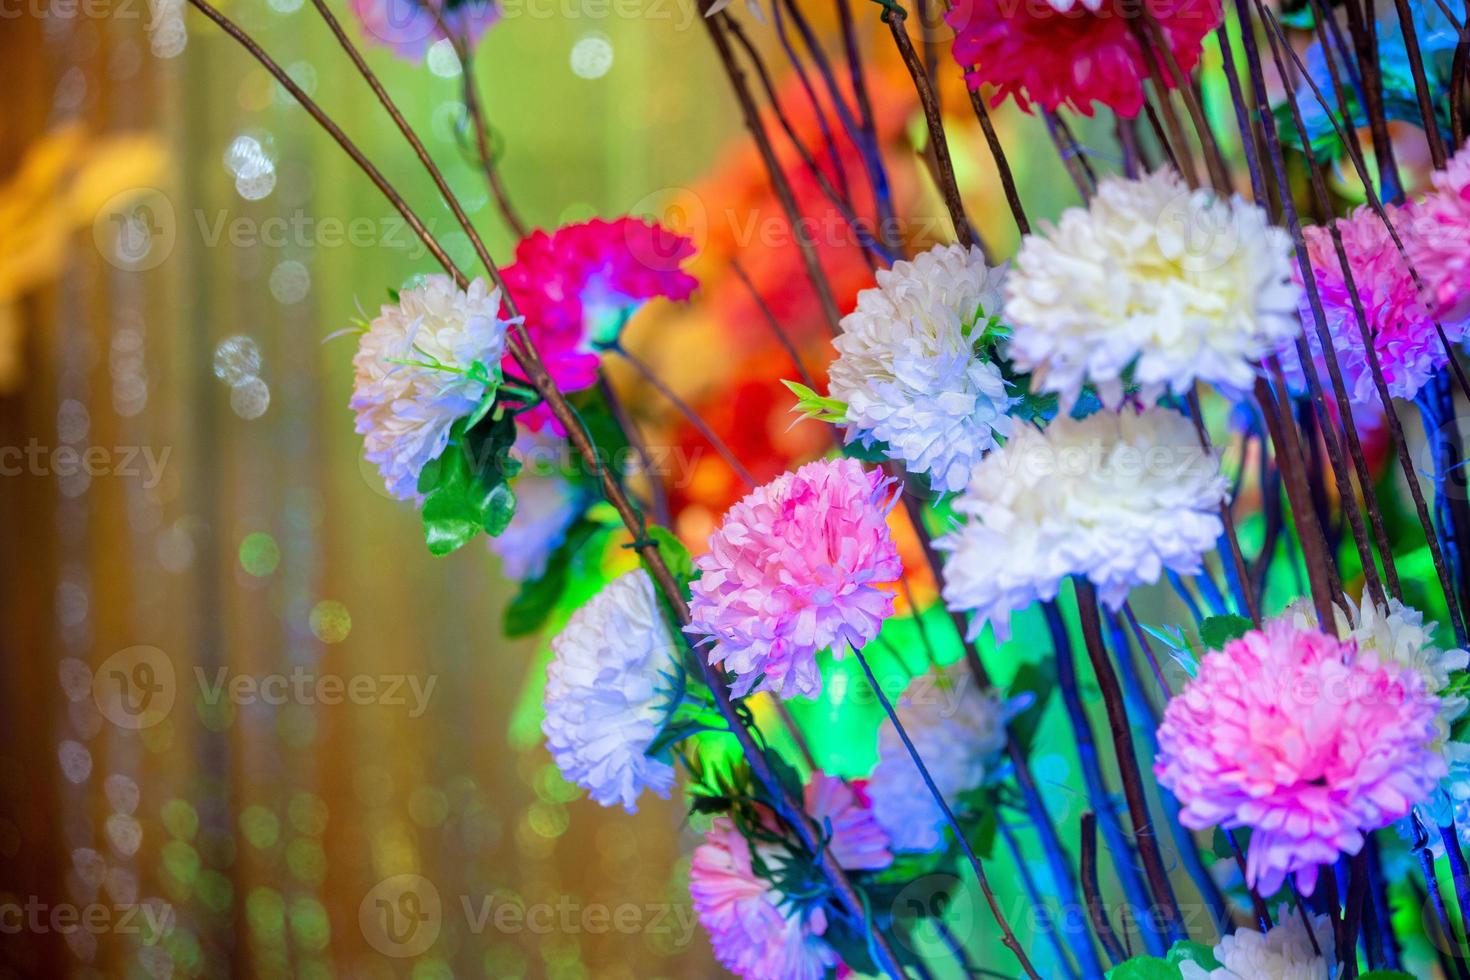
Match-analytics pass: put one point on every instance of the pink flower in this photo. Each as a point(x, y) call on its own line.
point(758, 932)
point(1408, 346)
point(1060, 52)
point(796, 568)
point(577, 286)
point(1439, 229)
point(1302, 738)
point(409, 27)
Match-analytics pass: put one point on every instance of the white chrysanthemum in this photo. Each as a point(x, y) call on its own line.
point(1284, 953)
point(607, 693)
point(907, 369)
point(959, 732)
point(1117, 498)
point(1167, 284)
point(412, 382)
point(547, 504)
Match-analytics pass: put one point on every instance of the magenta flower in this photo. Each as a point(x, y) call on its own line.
point(577, 286)
point(796, 567)
point(1439, 230)
point(1303, 738)
point(1408, 346)
point(757, 931)
point(410, 27)
point(1066, 52)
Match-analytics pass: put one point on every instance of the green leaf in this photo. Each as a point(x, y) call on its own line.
point(876, 453)
point(674, 554)
point(537, 598)
point(1144, 968)
point(465, 489)
point(1385, 975)
point(1216, 631)
point(1192, 952)
point(814, 406)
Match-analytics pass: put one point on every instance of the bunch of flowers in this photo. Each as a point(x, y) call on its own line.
point(1305, 739)
point(1074, 52)
point(1115, 498)
point(1151, 284)
point(796, 567)
point(912, 369)
point(1439, 225)
point(1284, 952)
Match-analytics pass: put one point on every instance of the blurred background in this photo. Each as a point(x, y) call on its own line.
point(237, 695)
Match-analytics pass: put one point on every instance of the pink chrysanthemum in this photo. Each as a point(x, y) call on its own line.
point(1408, 346)
point(410, 27)
point(795, 568)
point(1439, 228)
point(1303, 738)
point(1066, 52)
point(756, 931)
point(578, 285)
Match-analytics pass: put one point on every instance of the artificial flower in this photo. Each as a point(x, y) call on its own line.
point(424, 363)
point(608, 693)
point(1405, 340)
point(757, 931)
point(1065, 53)
point(1115, 498)
point(411, 27)
point(908, 369)
point(796, 567)
point(1439, 227)
point(1285, 952)
point(1303, 738)
point(959, 731)
point(1396, 633)
point(1151, 283)
point(547, 504)
point(577, 287)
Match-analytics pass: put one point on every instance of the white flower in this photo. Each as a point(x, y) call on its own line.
point(959, 732)
point(907, 368)
point(607, 693)
point(547, 504)
point(1284, 953)
point(1177, 285)
point(412, 379)
point(1117, 498)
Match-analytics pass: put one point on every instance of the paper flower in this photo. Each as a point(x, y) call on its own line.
point(410, 27)
point(1065, 53)
point(1152, 283)
point(959, 732)
point(607, 693)
point(1408, 346)
point(1117, 498)
point(1286, 952)
point(796, 567)
point(578, 285)
point(908, 371)
point(757, 931)
point(1439, 227)
point(420, 367)
point(1303, 738)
